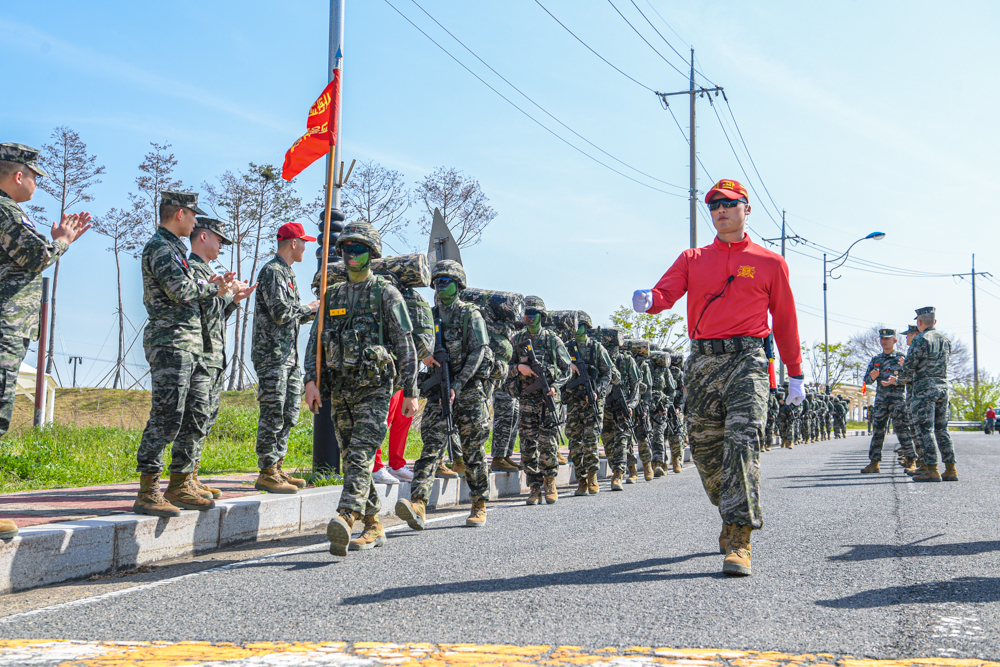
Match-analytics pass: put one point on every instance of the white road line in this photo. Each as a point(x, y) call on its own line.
point(222, 568)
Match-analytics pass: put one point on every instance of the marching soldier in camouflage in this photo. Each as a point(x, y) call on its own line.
point(926, 369)
point(506, 414)
point(911, 333)
point(841, 408)
point(676, 439)
point(208, 237)
point(615, 434)
point(890, 402)
point(277, 316)
point(174, 346)
point(772, 420)
point(464, 336)
point(582, 430)
point(639, 349)
point(786, 419)
point(368, 352)
point(24, 254)
point(663, 397)
point(539, 430)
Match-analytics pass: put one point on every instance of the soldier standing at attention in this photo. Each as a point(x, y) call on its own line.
point(890, 401)
point(539, 430)
point(207, 239)
point(24, 254)
point(368, 352)
point(174, 346)
point(464, 336)
point(926, 370)
point(582, 429)
point(277, 314)
point(727, 378)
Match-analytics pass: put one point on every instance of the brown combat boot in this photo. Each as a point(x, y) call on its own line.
point(516, 464)
point(339, 530)
point(181, 492)
point(581, 487)
point(870, 468)
point(150, 501)
point(727, 529)
point(633, 474)
point(929, 473)
point(950, 474)
point(270, 480)
point(502, 464)
point(658, 469)
point(458, 467)
point(444, 472)
point(8, 529)
point(562, 459)
point(616, 480)
point(647, 471)
point(294, 481)
point(204, 489)
point(477, 517)
point(551, 494)
point(413, 512)
point(372, 536)
point(910, 466)
point(677, 464)
point(737, 563)
point(593, 488)
point(534, 495)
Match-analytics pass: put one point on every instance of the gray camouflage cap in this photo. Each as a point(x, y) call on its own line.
point(182, 199)
point(212, 225)
point(26, 155)
point(926, 310)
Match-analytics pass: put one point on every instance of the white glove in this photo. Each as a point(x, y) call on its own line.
point(642, 300)
point(795, 392)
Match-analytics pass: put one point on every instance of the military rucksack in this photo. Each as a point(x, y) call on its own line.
point(502, 311)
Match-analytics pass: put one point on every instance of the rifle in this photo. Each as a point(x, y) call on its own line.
point(584, 378)
point(673, 425)
point(527, 350)
point(642, 419)
point(619, 407)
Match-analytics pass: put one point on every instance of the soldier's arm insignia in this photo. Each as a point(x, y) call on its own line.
point(336, 312)
point(180, 260)
point(25, 221)
point(745, 272)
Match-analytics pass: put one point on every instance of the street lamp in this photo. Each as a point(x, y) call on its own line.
point(875, 236)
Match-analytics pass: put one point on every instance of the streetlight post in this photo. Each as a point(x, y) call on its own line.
point(875, 236)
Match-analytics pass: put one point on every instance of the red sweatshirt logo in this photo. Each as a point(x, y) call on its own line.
point(745, 272)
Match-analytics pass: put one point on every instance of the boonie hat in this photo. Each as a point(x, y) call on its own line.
point(727, 188)
point(293, 230)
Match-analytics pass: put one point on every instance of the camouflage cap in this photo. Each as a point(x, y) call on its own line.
point(212, 225)
point(911, 329)
point(886, 333)
point(926, 310)
point(26, 155)
point(449, 268)
point(582, 318)
point(535, 303)
point(363, 233)
point(182, 199)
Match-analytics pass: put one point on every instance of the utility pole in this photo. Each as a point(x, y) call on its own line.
point(975, 331)
point(693, 90)
point(75, 361)
point(784, 236)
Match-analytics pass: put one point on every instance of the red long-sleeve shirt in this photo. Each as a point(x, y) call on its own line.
point(760, 284)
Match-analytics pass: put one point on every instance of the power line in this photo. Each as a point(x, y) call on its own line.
point(740, 133)
point(664, 58)
point(525, 113)
point(657, 31)
point(591, 49)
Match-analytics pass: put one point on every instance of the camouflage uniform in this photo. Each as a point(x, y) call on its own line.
point(24, 254)
point(367, 345)
point(726, 411)
point(926, 370)
point(663, 397)
point(278, 313)
point(786, 421)
point(581, 429)
point(840, 419)
point(676, 440)
point(506, 415)
point(890, 401)
point(539, 437)
point(615, 434)
point(464, 335)
point(772, 419)
point(646, 399)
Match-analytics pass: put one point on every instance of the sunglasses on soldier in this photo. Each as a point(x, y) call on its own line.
point(441, 282)
point(532, 314)
point(725, 203)
point(354, 249)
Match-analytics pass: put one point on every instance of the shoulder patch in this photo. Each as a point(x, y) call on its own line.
point(26, 222)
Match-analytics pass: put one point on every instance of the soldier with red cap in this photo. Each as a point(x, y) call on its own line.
point(726, 374)
point(278, 313)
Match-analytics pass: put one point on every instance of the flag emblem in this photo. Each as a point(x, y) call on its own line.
point(745, 272)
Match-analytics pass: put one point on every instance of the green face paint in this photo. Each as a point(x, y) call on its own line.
point(449, 293)
point(581, 335)
point(535, 324)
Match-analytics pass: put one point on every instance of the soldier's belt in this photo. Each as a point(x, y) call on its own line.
point(727, 345)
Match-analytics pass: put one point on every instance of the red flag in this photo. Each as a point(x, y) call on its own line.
point(864, 389)
point(321, 132)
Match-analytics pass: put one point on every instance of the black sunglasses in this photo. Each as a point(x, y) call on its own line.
point(725, 203)
point(354, 248)
point(532, 314)
point(442, 282)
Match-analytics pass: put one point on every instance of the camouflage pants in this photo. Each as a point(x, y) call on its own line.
point(658, 438)
point(786, 426)
point(216, 382)
point(539, 443)
point(769, 430)
point(886, 406)
point(930, 415)
point(506, 413)
point(279, 393)
point(645, 451)
point(359, 417)
point(617, 440)
point(677, 440)
point(12, 352)
point(726, 410)
point(472, 419)
point(582, 433)
point(181, 388)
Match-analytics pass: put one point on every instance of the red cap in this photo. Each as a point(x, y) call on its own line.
point(729, 189)
point(293, 230)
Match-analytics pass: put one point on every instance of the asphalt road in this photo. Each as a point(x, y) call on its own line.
point(848, 564)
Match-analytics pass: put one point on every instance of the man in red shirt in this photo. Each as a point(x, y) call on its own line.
point(726, 376)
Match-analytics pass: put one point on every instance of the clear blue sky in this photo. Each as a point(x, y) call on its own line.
point(859, 116)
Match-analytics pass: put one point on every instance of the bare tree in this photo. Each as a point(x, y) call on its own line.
point(865, 344)
point(118, 225)
point(465, 208)
point(72, 172)
point(156, 175)
point(375, 195)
